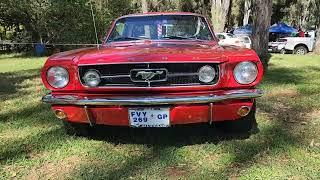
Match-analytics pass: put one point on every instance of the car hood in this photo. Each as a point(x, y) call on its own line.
point(154, 52)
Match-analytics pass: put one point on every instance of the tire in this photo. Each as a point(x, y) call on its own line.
point(245, 125)
point(282, 51)
point(300, 50)
point(76, 129)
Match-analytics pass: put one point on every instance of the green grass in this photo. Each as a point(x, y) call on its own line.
point(33, 143)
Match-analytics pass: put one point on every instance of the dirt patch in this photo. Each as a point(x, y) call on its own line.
point(180, 171)
point(55, 170)
point(314, 116)
point(283, 93)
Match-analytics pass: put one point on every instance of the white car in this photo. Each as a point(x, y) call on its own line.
point(246, 40)
point(226, 39)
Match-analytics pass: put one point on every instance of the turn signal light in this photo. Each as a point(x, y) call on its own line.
point(243, 111)
point(60, 114)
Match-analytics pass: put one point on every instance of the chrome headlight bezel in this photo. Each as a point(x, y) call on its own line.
point(57, 77)
point(206, 74)
point(90, 81)
point(245, 72)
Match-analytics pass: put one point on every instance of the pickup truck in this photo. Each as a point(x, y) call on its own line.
point(296, 45)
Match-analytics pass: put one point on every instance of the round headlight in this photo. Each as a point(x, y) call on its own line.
point(207, 74)
point(58, 77)
point(92, 78)
point(245, 72)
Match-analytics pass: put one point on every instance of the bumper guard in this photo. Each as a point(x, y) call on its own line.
point(152, 100)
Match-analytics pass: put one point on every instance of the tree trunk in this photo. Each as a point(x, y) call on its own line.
point(261, 23)
point(144, 6)
point(317, 45)
point(247, 11)
point(219, 11)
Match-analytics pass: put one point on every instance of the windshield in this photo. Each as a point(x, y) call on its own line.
point(157, 27)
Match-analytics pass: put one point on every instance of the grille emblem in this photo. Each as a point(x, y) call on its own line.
point(148, 75)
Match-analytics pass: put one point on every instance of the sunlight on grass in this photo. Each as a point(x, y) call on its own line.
point(33, 143)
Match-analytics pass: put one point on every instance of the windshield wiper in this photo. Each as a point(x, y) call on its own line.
point(180, 37)
point(128, 39)
point(174, 37)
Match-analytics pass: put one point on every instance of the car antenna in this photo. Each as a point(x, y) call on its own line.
point(94, 25)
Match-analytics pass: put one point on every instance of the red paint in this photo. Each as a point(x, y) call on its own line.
point(163, 51)
point(179, 114)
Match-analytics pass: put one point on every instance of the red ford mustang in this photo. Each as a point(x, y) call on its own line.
point(155, 70)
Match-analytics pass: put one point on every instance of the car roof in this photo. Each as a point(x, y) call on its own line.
point(160, 13)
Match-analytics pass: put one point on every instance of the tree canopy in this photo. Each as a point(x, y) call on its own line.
point(70, 21)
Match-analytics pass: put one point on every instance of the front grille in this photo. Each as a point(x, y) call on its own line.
point(177, 74)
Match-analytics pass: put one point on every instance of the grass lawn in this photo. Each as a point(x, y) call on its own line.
point(33, 143)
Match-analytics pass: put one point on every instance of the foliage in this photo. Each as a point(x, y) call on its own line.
point(33, 144)
point(70, 21)
point(62, 21)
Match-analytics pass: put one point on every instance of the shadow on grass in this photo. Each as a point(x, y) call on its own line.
point(280, 75)
point(18, 55)
point(164, 145)
point(177, 136)
point(28, 147)
point(274, 139)
point(10, 82)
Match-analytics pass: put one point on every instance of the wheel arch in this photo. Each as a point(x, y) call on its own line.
point(303, 45)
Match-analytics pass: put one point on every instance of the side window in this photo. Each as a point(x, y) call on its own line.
point(220, 36)
point(118, 30)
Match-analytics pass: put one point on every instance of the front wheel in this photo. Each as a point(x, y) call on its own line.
point(300, 50)
point(282, 51)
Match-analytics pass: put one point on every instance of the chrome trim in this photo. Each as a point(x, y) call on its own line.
point(182, 74)
point(210, 113)
point(154, 62)
point(153, 100)
point(86, 110)
point(148, 69)
point(148, 63)
point(115, 76)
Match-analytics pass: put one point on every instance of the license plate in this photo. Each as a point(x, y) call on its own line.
point(149, 117)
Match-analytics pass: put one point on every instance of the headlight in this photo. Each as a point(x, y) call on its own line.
point(92, 78)
point(58, 77)
point(245, 72)
point(207, 74)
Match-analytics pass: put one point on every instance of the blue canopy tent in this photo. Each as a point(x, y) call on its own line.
point(244, 30)
point(279, 28)
point(282, 28)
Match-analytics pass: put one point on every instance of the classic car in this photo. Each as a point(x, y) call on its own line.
point(155, 70)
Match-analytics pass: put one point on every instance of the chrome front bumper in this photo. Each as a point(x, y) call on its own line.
point(153, 100)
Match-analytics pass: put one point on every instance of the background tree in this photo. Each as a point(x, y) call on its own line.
point(316, 14)
point(247, 11)
point(219, 12)
point(262, 10)
point(144, 6)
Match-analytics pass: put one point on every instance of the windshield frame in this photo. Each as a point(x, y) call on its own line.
point(113, 26)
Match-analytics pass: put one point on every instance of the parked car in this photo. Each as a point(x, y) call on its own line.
point(227, 39)
point(246, 40)
point(155, 70)
point(296, 45)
